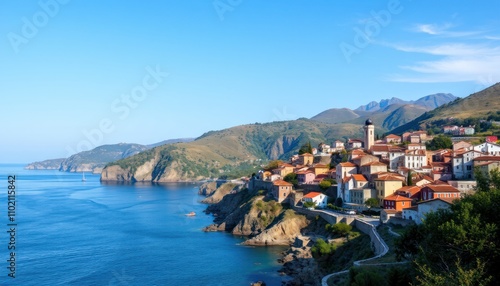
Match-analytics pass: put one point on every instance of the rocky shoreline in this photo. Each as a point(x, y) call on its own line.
point(264, 222)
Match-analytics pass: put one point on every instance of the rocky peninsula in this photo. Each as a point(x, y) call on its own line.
point(265, 222)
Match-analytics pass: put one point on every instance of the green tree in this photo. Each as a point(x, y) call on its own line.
point(372, 203)
point(341, 228)
point(409, 180)
point(273, 165)
point(363, 277)
point(292, 178)
point(322, 248)
point(306, 148)
point(309, 204)
point(440, 142)
point(324, 184)
point(458, 246)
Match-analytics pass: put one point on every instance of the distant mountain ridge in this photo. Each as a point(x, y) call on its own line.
point(430, 101)
point(387, 113)
point(477, 106)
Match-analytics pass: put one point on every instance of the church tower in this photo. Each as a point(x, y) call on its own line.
point(369, 134)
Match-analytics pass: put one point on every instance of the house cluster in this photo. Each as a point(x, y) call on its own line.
point(406, 179)
point(459, 130)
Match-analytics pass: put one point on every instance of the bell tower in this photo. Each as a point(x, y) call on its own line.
point(369, 134)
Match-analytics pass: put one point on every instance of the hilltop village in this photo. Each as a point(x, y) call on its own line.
point(397, 174)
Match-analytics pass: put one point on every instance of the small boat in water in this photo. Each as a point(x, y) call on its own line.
point(191, 214)
point(83, 177)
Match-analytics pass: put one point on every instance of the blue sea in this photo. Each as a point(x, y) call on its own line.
point(74, 232)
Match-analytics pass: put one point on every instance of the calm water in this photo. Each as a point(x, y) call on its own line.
point(71, 232)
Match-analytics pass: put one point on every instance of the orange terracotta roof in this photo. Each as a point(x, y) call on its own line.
point(390, 178)
point(347, 164)
point(359, 178)
point(307, 154)
point(487, 158)
point(390, 211)
point(443, 188)
point(282, 183)
point(380, 148)
point(346, 179)
point(412, 190)
point(312, 195)
point(374, 163)
point(397, 198)
point(392, 136)
point(285, 165)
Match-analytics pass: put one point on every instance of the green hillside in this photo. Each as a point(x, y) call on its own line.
point(98, 157)
point(482, 105)
point(336, 115)
point(230, 152)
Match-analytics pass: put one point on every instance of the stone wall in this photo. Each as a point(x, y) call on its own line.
point(378, 244)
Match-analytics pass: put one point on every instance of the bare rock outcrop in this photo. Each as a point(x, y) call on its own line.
point(220, 192)
point(283, 232)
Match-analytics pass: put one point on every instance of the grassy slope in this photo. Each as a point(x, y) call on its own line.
point(239, 147)
point(476, 105)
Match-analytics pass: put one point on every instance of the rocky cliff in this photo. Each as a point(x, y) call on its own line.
point(219, 193)
point(252, 214)
point(53, 164)
point(265, 222)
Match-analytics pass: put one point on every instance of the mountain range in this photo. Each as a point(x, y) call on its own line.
point(478, 106)
point(241, 150)
point(387, 113)
point(217, 153)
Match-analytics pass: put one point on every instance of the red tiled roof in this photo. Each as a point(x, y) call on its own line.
point(282, 183)
point(412, 190)
point(347, 164)
point(312, 195)
point(397, 198)
point(487, 158)
point(389, 178)
point(392, 136)
point(380, 148)
point(374, 163)
point(359, 178)
point(346, 179)
point(443, 188)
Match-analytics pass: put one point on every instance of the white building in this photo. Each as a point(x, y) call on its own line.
point(319, 199)
point(419, 212)
point(463, 165)
point(488, 149)
point(415, 159)
point(396, 158)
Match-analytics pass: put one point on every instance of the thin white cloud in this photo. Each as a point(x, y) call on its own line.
point(457, 62)
point(495, 38)
point(443, 30)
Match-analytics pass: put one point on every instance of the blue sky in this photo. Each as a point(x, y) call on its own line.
point(76, 74)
